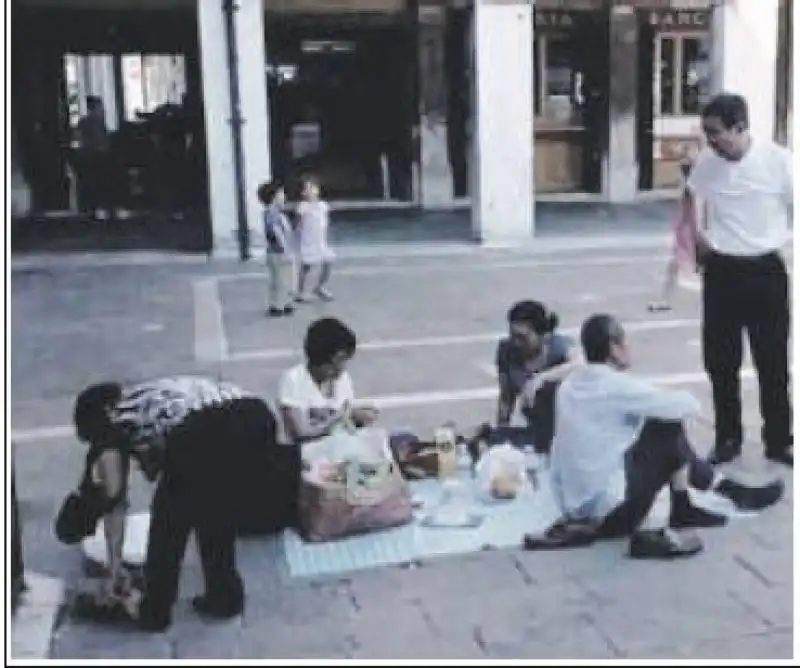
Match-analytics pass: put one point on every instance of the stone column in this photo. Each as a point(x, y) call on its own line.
point(254, 109)
point(621, 169)
point(744, 38)
point(217, 111)
point(784, 72)
point(502, 137)
point(436, 182)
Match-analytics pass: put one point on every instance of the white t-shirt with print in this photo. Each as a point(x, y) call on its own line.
point(749, 201)
point(298, 390)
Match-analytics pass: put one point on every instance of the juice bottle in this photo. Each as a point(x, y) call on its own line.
point(447, 454)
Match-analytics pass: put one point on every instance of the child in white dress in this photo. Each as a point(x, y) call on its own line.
point(314, 251)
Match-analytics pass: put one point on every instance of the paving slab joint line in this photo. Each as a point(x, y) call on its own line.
point(753, 570)
point(527, 578)
point(590, 620)
point(479, 640)
point(751, 609)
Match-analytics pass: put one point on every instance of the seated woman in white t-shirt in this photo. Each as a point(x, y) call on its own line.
point(316, 396)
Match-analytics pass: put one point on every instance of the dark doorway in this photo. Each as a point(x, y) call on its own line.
point(132, 175)
point(644, 104)
point(590, 43)
point(457, 55)
point(341, 97)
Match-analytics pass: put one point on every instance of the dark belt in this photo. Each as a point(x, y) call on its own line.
point(770, 262)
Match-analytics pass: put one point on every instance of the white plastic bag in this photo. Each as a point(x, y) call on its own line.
point(501, 472)
point(360, 463)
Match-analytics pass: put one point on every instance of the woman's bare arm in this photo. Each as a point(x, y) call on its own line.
point(561, 371)
point(112, 470)
point(505, 403)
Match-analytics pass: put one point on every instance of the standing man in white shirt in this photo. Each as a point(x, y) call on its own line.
point(618, 441)
point(743, 187)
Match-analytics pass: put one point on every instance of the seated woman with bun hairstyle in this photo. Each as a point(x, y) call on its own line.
point(531, 361)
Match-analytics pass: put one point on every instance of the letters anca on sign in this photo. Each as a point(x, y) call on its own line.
point(680, 20)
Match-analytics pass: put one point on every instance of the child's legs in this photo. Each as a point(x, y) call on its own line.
point(324, 274)
point(305, 269)
point(671, 278)
point(273, 280)
point(287, 281)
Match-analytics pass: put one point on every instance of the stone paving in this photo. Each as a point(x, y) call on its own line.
point(427, 328)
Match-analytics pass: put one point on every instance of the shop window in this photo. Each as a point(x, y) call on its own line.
point(682, 74)
point(558, 84)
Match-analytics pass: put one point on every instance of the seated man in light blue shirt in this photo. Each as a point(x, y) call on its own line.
point(619, 440)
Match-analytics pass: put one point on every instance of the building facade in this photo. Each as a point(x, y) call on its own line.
point(450, 103)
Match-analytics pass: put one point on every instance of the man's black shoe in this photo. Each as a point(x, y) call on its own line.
point(207, 608)
point(725, 452)
point(692, 517)
point(663, 544)
point(750, 499)
point(154, 624)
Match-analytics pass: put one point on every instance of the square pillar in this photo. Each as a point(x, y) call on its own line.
point(502, 178)
point(744, 53)
point(251, 56)
point(217, 111)
point(621, 169)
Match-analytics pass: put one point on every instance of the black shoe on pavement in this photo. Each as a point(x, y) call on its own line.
point(725, 452)
point(288, 310)
point(663, 544)
point(273, 312)
point(750, 499)
point(153, 624)
point(693, 517)
point(784, 456)
point(207, 608)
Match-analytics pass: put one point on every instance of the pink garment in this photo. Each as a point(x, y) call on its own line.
point(684, 228)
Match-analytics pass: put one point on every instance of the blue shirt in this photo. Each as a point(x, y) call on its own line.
point(277, 230)
point(512, 365)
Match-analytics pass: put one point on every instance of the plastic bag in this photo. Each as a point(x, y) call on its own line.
point(501, 472)
point(351, 484)
point(359, 463)
point(455, 507)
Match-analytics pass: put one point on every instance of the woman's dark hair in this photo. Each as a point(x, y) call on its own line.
point(730, 109)
point(534, 315)
point(326, 338)
point(598, 333)
point(90, 413)
point(266, 192)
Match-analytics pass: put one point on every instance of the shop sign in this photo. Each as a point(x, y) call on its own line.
point(680, 20)
point(553, 19)
point(677, 5)
point(570, 5)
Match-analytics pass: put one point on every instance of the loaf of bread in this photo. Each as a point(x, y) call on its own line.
point(504, 486)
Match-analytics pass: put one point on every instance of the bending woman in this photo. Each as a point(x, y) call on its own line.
point(196, 437)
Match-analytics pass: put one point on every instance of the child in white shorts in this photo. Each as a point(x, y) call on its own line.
point(314, 251)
